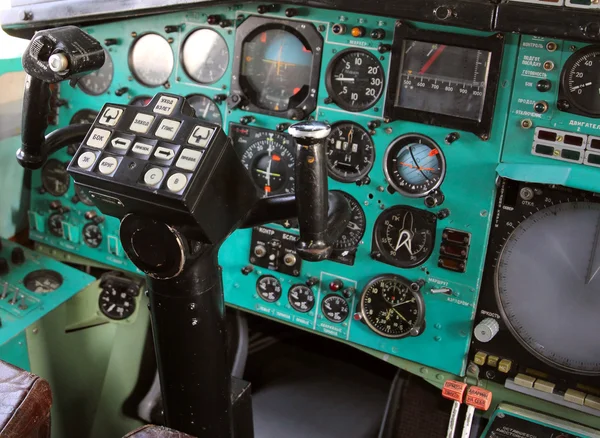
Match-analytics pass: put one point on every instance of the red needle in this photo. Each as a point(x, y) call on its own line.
point(431, 60)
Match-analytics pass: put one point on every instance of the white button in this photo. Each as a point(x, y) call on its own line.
point(200, 136)
point(141, 123)
point(189, 159)
point(108, 165)
point(86, 160)
point(167, 129)
point(120, 143)
point(153, 176)
point(98, 138)
point(164, 153)
point(110, 116)
point(165, 105)
point(142, 148)
point(176, 182)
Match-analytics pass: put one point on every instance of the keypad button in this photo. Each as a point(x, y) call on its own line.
point(176, 182)
point(120, 143)
point(141, 123)
point(98, 138)
point(200, 136)
point(110, 116)
point(142, 148)
point(108, 165)
point(165, 105)
point(163, 153)
point(86, 160)
point(189, 159)
point(153, 176)
point(167, 129)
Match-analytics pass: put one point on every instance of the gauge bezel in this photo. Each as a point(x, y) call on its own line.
point(290, 300)
point(331, 296)
point(419, 324)
point(56, 276)
point(209, 98)
point(493, 44)
point(563, 91)
point(352, 199)
point(53, 192)
point(363, 174)
point(131, 65)
point(329, 84)
point(89, 225)
point(310, 37)
point(182, 59)
point(263, 277)
point(90, 92)
point(79, 114)
point(62, 219)
point(388, 156)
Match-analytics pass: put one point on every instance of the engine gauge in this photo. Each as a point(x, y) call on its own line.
point(83, 116)
point(392, 308)
point(355, 80)
point(116, 301)
point(43, 281)
point(268, 288)
point(301, 298)
point(404, 236)
point(355, 229)
point(580, 81)
point(335, 308)
point(92, 235)
point(206, 108)
point(99, 81)
point(205, 56)
point(414, 165)
point(151, 60)
point(81, 196)
point(271, 160)
point(55, 222)
point(350, 152)
point(55, 179)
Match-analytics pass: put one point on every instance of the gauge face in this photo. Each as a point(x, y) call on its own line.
point(151, 60)
point(43, 281)
point(580, 81)
point(206, 109)
point(271, 162)
point(268, 288)
point(82, 196)
point(391, 308)
point(92, 235)
point(115, 302)
point(140, 101)
point(404, 236)
point(55, 224)
point(355, 230)
point(276, 67)
point(55, 178)
point(205, 56)
point(414, 165)
point(350, 152)
point(301, 298)
point(99, 81)
point(355, 80)
point(335, 308)
point(548, 286)
point(83, 116)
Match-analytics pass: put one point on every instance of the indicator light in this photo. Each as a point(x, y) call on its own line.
point(358, 32)
point(338, 29)
point(336, 285)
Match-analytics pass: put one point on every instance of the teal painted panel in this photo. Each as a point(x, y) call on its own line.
point(15, 196)
point(14, 351)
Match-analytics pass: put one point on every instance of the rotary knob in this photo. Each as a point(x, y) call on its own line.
point(486, 330)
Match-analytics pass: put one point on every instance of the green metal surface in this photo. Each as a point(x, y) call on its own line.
point(14, 351)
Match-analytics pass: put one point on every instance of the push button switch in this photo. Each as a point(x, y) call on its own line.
point(142, 148)
point(176, 182)
point(141, 123)
point(189, 159)
point(153, 176)
point(165, 105)
point(108, 165)
point(200, 136)
point(167, 129)
point(163, 153)
point(98, 138)
point(86, 160)
point(110, 116)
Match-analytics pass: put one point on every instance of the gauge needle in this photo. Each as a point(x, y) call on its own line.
point(387, 316)
point(415, 167)
point(266, 172)
point(594, 266)
point(406, 242)
point(350, 137)
point(400, 315)
point(581, 86)
point(343, 79)
point(431, 60)
point(279, 59)
point(353, 226)
point(403, 302)
point(205, 113)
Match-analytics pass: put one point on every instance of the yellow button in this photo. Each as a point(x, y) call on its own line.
point(480, 357)
point(544, 386)
point(592, 401)
point(504, 366)
point(524, 380)
point(575, 396)
point(493, 361)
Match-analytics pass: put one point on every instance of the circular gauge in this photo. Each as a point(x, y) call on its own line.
point(335, 308)
point(404, 236)
point(151, 60)
point(81, 196)
point(580, 80)
point(414, 165)
point(206, 108)
point(355, 80)
point(350, 152)
point(140, 101)
point(55, 178)
point(268, 288)
point(391, 308)
point(43, 281)
point(355, 230)
point(276, 70)
point(115, 302)
point(271, 162)
point(547, 284)
point(83, 116)
point(205, 56)
point(301, 298)
point(55, 224)
point(99, 81)
point(92, 235)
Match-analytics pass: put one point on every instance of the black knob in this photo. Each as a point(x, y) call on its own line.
point(312, 281)
point(374, 124)
point(247, 269)
point(348, 292)
point(171, 28)
point(282, 127)
point(4, 268)
point(563, 105)
point(111, 42)
point(378, 34)
point(220, 98)
point(291, 12)
point(121, 91)
point(384, 48)
point(246, 120)
point(263, 9)
point(434, 199)
point(213, 19)
point(540, 107)
point(17, 256)
point(443, 12)
point(543, 85)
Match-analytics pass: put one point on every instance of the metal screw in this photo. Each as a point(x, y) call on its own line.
point(526, 123)
point(58, 62)
point(133, 34)
point(25, 15)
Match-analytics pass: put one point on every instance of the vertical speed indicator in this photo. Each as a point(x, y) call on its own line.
point(350, 152)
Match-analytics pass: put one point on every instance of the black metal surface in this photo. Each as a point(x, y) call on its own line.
point(34, 122)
